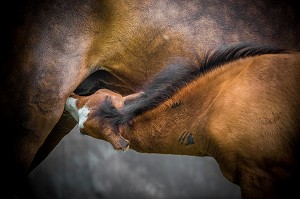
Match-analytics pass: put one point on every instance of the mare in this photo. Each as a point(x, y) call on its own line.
point(51, 48)
point(239, 105)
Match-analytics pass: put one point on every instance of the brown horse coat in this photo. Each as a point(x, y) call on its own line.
point(50, 47)
point(245, 114)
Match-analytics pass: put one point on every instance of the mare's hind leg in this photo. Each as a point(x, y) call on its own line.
point(65, 124)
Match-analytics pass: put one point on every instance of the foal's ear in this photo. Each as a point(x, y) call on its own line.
point(132, 97)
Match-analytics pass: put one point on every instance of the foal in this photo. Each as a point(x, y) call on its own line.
point(240, 105)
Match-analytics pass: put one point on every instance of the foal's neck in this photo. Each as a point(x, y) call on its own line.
point(179, 125)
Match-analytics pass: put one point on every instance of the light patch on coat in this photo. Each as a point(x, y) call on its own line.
point(80, 115)
point(83, 116)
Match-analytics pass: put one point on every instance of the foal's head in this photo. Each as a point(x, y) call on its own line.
point(98, 115)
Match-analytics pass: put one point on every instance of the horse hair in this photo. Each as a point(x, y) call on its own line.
point(173, 78)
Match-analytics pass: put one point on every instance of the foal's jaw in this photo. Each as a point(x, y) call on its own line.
point(118, 142)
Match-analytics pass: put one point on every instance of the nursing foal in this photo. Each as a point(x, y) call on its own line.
point(240, 105)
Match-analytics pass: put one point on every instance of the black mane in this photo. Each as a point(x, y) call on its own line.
point(174, 77)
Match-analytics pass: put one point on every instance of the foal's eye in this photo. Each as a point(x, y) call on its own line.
point(176, 104)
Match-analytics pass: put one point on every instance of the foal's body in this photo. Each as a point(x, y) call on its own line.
point(245, 114)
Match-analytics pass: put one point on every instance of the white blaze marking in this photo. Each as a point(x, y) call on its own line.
point(83, 115)
point(80, 115)
point(72, 108)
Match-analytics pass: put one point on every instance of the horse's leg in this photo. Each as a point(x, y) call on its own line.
point(65, 124)
point(44, 62)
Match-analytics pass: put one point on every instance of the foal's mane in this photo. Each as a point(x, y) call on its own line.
point(176, 76)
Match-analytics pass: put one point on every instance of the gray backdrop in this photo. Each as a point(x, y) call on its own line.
point(82, 167)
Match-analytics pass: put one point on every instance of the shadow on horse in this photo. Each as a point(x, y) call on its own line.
point(51, 49)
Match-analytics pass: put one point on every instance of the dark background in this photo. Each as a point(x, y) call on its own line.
point(82, 167)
